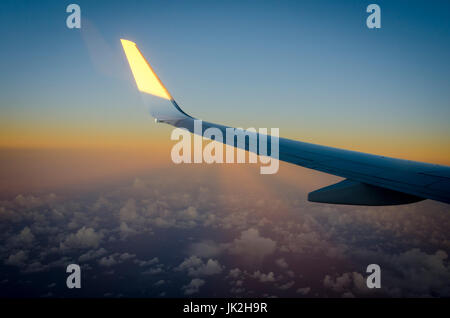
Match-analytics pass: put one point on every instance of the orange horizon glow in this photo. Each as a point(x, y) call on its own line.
point(61, 160)
point(147, 138)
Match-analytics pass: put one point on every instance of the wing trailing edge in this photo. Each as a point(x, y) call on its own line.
point(357, 193)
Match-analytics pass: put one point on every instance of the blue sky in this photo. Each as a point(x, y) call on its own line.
point(312, 68)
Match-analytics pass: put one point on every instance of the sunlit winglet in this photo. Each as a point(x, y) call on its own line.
point(146, 79)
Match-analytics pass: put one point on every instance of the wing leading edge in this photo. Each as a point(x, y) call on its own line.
point(369, 179)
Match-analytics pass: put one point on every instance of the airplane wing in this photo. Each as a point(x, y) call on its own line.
point(369, 179)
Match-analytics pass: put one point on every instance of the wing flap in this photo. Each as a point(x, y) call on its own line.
point(358, 193)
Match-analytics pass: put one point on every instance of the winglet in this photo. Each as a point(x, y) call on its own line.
point(149, 83)
point(146, 79)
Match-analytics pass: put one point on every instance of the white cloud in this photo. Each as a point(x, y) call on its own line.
point(252, 246)
point(128, 212)
point(189, 213)
point(154, 270)
point(206, 249)
point(191, 262)
point(32, 201)
point(264, 278)
point(125, 230)
point(16, 259)
point(126, 256)
point(84, 238)
point(338, 284)
point(422, 274)
point(212, 267)
point(114, 259)
point(282, 263)
point(139, 184)
point(108, 261)
point(235, 273)
point(193, 287)
point(303, 290)
point(196, 267)
point(237, 290)
point(92, 254)
point(347, 282)
point(152, 261)
point(286, 286)
point(24, 238)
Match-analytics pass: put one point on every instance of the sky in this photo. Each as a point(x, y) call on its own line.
point(86, 176)
point(311, 68)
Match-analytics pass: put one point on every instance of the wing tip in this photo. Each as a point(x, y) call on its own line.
point(147, 81)
point(125, 41)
